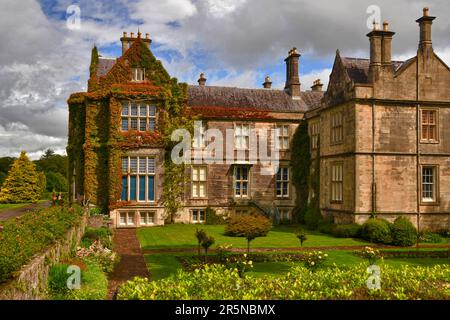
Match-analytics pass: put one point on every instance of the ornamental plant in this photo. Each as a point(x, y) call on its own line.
point(23, 183)
point(96, 252)
point(314, 260)
point(207, 242)
point(371, 255)
point(241, 263)
point(403, 232)
point(301, 236)
point(249, 226)
point(200, 235)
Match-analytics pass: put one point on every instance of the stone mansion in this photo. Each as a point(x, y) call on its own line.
point(380, 131)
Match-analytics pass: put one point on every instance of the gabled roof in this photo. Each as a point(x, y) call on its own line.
point(358, 69)
point(104, 65)
point(257, 99)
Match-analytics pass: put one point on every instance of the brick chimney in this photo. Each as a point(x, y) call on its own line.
point(317, 85)
point(292, 86)
point(425, 24)
point(267, 83)
point(202, 79)
point(128, 41)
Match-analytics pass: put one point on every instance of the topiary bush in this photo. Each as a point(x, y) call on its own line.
point(347, 230)
point(404, 233)
point(249, 226)
point(377, 230)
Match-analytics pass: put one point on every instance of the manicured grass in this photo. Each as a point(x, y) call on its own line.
point(181, 236)
point(163, 265)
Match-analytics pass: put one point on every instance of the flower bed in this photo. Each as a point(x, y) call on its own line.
point(218, 283)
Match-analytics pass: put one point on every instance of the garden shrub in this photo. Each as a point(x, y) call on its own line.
point(57, 281)
point(403, 232)
point(214, 283)
point(212, 218)
point(30, 234)
point(347, 230)
point(249, 226)
point(430, 237)
point(377, 230)
point(100, 255)
point(313, 218)
point(326, 225)
point(101, 234)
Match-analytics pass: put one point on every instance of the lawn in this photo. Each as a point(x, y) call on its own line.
point(181, 236)
point(163, 265)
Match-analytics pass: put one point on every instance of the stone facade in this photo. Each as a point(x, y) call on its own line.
point(383, 150)
point(373, 155)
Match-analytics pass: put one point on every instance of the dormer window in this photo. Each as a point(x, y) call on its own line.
point(138, 74)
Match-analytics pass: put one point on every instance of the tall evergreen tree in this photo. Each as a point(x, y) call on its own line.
point(23, 183)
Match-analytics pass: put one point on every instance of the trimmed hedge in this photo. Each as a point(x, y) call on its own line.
point(212, 218)
point(377, 231)
point(30, 234)
point(403, 232)
point(347, 230)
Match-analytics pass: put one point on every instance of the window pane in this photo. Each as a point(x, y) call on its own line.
point(143, 218)
point(202, 190)
point(244, 173)
point(142, 188)
point(143, 110)
point(152, 110)
point(202, 215)
point(195, 215)
point(124, 124)
point(278, 188)
point(133, 165)
point(132, 188)
point(151, 165)
point(238, 189)
point(123, 218)
point(124, 196)
point(285, 174)
point(125, 164)
point(152, 125)
point(130, 218)
point(195, 190)
point(150, 217)
point(142, 165)
point(134, 109)
point(151, 188)
point(142, 124)
point(125, 109)
point(134, 124)
point(202, 175)
point(244, 188)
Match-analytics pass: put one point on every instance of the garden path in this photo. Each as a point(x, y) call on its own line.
point(132, 262)
point(17, 212)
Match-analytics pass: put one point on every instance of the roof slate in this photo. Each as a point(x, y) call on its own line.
point(260, 99)
point(358, 69)
point(104, 65)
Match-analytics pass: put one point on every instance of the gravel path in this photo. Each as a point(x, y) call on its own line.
point(17, 212)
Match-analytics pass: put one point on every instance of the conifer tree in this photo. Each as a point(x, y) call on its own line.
point(23, 183)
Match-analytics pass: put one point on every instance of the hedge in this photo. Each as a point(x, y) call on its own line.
point(220, 283)
point(377, 231)
point(403, 232)
point(25, 236)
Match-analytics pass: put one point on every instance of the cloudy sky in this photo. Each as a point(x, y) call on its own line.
point(234, 42)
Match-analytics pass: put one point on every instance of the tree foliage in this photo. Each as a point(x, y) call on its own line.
point(23, 183)
point(248, 226)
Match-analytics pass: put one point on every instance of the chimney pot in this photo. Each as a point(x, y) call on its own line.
point(385, 26)
point(139, 34)
point(267, 83)
point(124, 34)
point(292, 86)
point(132, 34)
point(317, 85)
point(147, 36)
point(202, 79)
point(426, 11)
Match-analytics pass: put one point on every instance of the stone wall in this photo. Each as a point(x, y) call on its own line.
point(30, 282)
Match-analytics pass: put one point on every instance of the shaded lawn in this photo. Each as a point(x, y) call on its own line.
point(163, 265)
point(181, 236)
point(8, 206)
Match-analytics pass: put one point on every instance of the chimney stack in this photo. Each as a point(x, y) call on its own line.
point(386, 46)
point(202, 80)
point(267, 83)
point(292, 86)
point(127, 41)
point(317, 85)
point(425, 24)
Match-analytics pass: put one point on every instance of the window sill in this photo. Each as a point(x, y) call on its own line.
point(429, 141)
